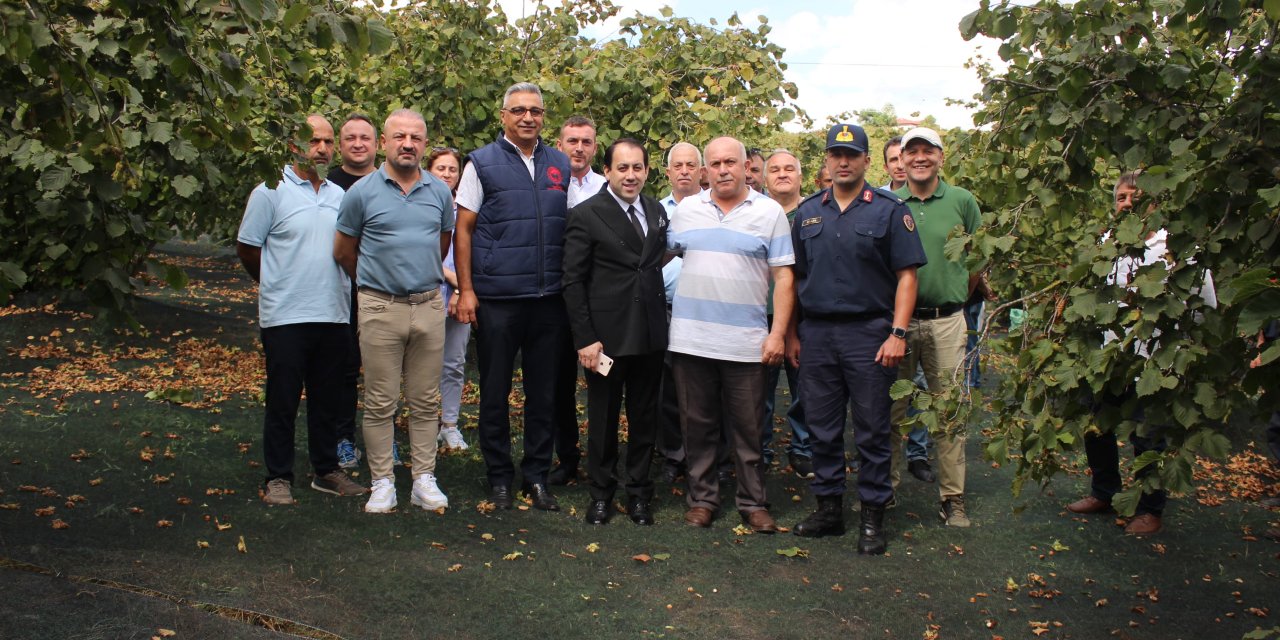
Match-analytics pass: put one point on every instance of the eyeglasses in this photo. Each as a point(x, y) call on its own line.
point(519, 112)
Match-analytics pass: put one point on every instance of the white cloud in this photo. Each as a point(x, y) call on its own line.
point(848, 55)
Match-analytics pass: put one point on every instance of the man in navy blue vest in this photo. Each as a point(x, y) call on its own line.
point(509, 248)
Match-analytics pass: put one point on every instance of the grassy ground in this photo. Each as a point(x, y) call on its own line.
point(159, 527)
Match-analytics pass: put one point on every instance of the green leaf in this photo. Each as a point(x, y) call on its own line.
point(902, 389)
point(13, 274)
point(80, 165)
point(55, 251)
point(55, 178)
point(296, 13)
point(115, 229)
point(794, 552)
point(161, 132)
point(1271, 195)
point(175, 276)
point(185, 185)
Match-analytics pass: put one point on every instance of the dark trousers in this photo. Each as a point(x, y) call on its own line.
point(636, 378)
point(303, 356)
point(670, 439)
point(1103, 455)
point(350, 379)
point(566, 402)
point(539, 330)
point(838, 368)
point(716, 396)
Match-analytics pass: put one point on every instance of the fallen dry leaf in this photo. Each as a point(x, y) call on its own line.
point(164, 524)
point(241, 547)
point(593, 547)
point(454, 568)
point(642, 558)
point(44, 511)
point(59, 524)
point(202, 544)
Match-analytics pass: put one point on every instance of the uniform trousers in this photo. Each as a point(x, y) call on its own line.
point(637, 379)
point(937, 345)
point(716, 394)
point(305, 355)
point(838, 368)
point(537, 329)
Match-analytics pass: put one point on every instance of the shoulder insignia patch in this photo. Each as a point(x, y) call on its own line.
point(866, 195)
point(813, 220)
point(909, 222)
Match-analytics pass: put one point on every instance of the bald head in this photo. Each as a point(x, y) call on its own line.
point(726, 160)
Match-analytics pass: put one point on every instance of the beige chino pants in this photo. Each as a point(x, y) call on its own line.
point(938, 347)
point(399, 340)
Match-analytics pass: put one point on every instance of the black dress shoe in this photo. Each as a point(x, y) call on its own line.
point(599, 511)
point(500, 496)
point(542, 499)
point(921, 470)
point(562, 474)
point(725, 475)
point(639, 511)
point(671, 473)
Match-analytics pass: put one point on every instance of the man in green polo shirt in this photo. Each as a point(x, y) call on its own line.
point(937, 333)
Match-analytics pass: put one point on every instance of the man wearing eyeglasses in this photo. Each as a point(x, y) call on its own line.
point(512, 204)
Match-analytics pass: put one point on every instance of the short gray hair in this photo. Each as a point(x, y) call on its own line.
point(521, 87)
point(1129, 179)
point(779, 151)
point(682, 145)
point(405, 113)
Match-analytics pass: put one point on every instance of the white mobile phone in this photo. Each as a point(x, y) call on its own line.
point(606, 363)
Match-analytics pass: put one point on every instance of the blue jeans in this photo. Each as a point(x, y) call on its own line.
point(973, 321)
point(799, 444)
point(918, 438)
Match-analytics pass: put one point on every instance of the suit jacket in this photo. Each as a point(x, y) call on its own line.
point(612, 279)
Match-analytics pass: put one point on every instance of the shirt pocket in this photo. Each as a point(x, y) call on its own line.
point(871, 227)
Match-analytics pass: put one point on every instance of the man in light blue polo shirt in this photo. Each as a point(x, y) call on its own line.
point(393, 230)
point(285, 242)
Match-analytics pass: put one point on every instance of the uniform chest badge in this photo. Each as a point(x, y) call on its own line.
point(866, 195)
point(813, 220)
point(908, 222)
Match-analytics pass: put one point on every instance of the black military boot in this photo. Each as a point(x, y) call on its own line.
point(828, 520)
point(871, 534)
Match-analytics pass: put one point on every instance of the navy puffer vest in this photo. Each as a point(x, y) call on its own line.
point(518, 246)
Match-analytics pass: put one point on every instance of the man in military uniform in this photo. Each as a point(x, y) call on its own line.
point(856, 257)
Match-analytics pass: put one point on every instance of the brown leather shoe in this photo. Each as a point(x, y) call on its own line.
point(1089, 504)
point(1144, 525)
point(698, 517)
point(760, 521)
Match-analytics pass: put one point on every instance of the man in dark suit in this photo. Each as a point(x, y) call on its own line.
point(614, 244)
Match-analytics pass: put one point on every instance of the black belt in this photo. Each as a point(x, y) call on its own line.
point(933, 313)
point(413, 298)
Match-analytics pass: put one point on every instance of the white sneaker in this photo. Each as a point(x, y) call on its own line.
point(427, 494)
point(383, 498)
point(452, 438)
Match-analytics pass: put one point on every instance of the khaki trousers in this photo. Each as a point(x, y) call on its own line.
point(399, 340)
point(938, 347)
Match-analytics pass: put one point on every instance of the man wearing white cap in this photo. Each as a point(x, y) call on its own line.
point(937, 333)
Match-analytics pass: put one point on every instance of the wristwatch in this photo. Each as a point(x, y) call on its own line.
point(898, 332)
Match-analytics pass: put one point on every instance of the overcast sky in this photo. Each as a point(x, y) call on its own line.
point(847, 55)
